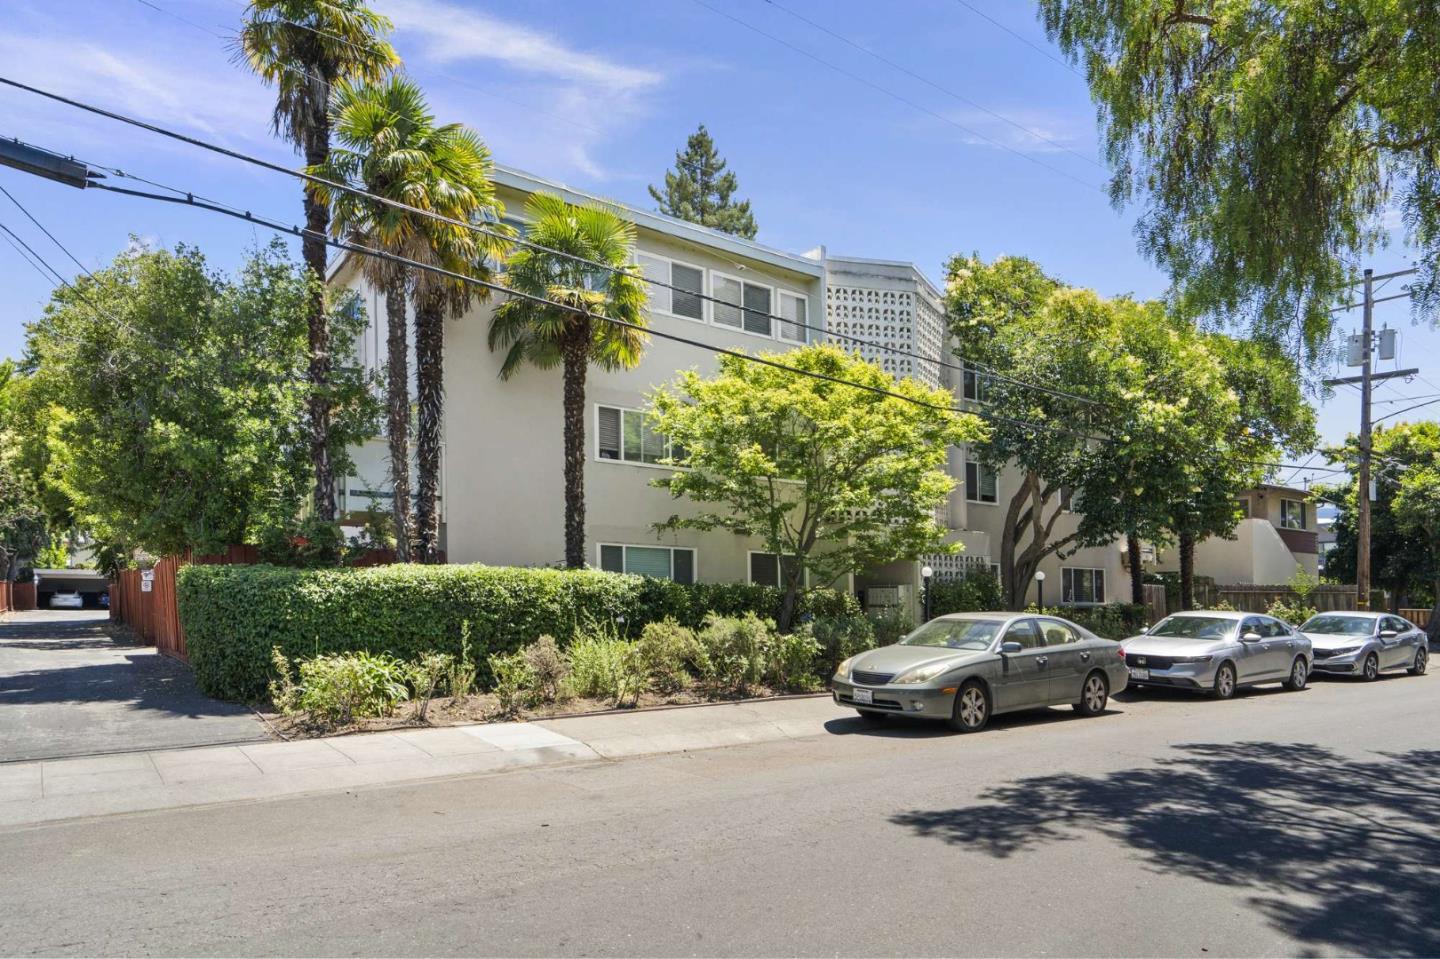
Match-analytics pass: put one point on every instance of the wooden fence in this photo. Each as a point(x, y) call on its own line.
point(145, 600)
point(22, 596)
point(1257, 599)
point(1420, 617)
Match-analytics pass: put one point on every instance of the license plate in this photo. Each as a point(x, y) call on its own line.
point(864, 696)
point(1139, 673)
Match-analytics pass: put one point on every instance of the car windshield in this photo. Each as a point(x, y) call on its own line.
point(1193, 627)
point(974, 634)
point(1338, 625)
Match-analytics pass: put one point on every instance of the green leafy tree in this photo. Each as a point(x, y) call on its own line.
point(573, 329)
point(303, 48)
point(1268, 139)
point(177, 397)
point(700, 189)
point(391, 146)
point(835, 478)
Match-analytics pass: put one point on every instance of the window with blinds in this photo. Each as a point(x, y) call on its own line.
point(628, 435)
point(793, 308)
point(1081, 586)
point(678, 289)
point(765, 568)
point(660, 562)
point(980, 483)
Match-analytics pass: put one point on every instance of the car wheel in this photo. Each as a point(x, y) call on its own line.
point(1094, 695)
point(1224, 686)
point(1299, 675)
point(1371, 669)
point(1422, 661)
point(870, 716)
point(972, 708)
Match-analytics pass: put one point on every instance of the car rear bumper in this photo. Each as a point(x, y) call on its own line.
point(924, 702)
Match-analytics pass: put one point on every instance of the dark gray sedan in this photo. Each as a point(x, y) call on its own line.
point(1366, 644)
point(966, 667)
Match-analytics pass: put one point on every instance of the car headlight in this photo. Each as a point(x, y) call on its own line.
point(1192, 659)
point(921, 674)
point(843, 670)
point(1345, 652)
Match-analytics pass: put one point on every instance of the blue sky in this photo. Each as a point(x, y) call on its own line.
point(869, 159)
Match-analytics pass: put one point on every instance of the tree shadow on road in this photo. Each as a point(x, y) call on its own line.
point(1337, 851)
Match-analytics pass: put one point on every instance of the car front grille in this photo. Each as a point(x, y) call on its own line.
point(1323, 653)
point(864, 678)
point(1149, 662)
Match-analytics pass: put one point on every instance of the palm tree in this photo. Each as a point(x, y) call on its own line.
point(573, 329)
point(302, 48)
point(390, 144)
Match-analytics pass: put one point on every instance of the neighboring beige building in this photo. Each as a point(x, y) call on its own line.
point(501, 486)
point(1278, 535)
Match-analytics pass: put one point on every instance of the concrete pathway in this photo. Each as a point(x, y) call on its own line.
point(33, 792)
point(68, 689)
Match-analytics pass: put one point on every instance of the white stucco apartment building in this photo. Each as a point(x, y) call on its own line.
point(501, 488)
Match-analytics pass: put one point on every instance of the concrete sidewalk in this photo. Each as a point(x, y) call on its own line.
point(35, 792)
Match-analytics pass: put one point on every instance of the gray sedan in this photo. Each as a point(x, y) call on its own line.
point(1365, 644)
point(966, 667)
point(1216, 652)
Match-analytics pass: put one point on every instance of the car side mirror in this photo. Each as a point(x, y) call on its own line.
point(1251, 638)
point(1388, 634)
point(1144, 630)
point(1006, 648)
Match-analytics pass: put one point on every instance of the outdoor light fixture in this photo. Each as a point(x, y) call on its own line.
point(925, 573)
point(1040, 589)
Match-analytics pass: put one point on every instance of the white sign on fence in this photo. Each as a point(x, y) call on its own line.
point(147, 580)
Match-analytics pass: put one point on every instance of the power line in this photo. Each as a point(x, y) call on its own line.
point(1033, 46)
point(490, 231)
point(898, 97)
point(41, 226)
point(931, 83)
point(1407, 409)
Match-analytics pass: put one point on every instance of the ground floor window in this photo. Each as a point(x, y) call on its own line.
point(1079, 585)
point(662, 562)
point(765, 569)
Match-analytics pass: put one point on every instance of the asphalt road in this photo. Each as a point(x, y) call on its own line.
point(68, 689)
point(1275, 824)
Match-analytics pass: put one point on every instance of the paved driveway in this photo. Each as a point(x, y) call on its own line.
point(68, 689)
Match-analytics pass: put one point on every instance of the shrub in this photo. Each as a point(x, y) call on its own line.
point(790, 660)
point(666, 650)
point(514, 681)
point(234, 615)
point(340, 688)
point(606, 667)
point(732, 652)
point(426, 675)
point(891, 626)
point(284, 693)
point(1112, 621)
point(1294, 613)
point(461, 678)
point(978, 592)
point(549, 666)
point(841, 637)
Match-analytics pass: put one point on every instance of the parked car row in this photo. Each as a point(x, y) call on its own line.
point(966, 667)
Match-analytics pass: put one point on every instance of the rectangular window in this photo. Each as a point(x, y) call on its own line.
point(629, 436)
point(661, 562)
point(728, 293)
point(793, 308)
point(741, 305)
point(757, 310)
point(980, 485)
point(975, 385)
point(1292, 514)
point(677, 289)
point(1080, 586)
point(765, 569)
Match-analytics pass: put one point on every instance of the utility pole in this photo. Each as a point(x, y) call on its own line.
point(1366, 380)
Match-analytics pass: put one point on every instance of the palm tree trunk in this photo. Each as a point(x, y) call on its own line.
point(397, 401)
point(1137, 578)
point(312, 248)
point(1187, 569)
point(430, 394)
point(576, 352)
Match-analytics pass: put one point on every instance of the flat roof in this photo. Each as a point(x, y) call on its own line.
point(897, 264)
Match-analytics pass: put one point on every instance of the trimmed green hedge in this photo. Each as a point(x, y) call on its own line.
point(234, 615)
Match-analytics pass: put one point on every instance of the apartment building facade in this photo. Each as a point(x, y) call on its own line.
point(501, 485)
point(1278, 535)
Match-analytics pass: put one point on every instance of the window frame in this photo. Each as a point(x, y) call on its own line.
point(972, 490)
point(750, 554)
point(671, 262)
point(1299, 504)
point(780, 322)
point(623, 547)
point(1068, 573)
point(595, 422)
point(775, 318)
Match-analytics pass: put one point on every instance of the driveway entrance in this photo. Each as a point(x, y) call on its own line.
point(68, 689)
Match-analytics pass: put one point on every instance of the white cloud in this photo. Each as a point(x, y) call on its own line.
point(1029, 131)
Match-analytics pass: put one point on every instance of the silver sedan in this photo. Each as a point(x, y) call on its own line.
point(1216, 652)
point(966, 667)
point(1366, 644)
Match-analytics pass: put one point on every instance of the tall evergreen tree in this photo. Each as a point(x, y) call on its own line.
point(700, 190)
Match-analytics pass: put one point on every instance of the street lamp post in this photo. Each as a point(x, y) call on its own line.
point(925, 573)
point(1040, 588)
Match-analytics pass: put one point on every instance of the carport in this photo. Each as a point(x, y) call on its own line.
point(89, 583)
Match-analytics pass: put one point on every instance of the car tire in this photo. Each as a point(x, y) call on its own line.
point(972, 708)
point(1371, 670)
point(1422, 662)
point(1224, 687)
point(1299, 675)
point(1094, 695)
point(871, 716)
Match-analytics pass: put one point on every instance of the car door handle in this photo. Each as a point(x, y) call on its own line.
point(1041, 660)
point(1085, 657)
